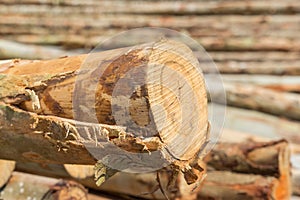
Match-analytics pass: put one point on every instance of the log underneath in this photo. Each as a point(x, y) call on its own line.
point(235, 186)
point(270, 159)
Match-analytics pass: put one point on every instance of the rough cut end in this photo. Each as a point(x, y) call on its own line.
point(177, 98)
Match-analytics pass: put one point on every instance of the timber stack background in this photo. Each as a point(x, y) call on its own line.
point(254, 43)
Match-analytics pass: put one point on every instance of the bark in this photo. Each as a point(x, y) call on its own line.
point(26, 186)
point(262, 99)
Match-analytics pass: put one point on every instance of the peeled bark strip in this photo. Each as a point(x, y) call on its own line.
point(262, 99)
point(26, 186)
point(234, 186)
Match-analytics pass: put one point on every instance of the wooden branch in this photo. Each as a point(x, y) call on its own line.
point(25, 186)
point(261, 99)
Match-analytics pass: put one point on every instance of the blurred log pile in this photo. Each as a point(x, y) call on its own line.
point(255, 45)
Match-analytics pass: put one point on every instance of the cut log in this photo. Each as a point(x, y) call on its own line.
point(26, 186)
point(263, 158)
point(262, 99)
point(155, 126)
point(268, 159)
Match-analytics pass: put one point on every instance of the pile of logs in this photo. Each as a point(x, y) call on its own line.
point(255, 45)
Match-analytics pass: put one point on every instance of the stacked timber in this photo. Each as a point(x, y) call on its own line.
point(255, 45)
